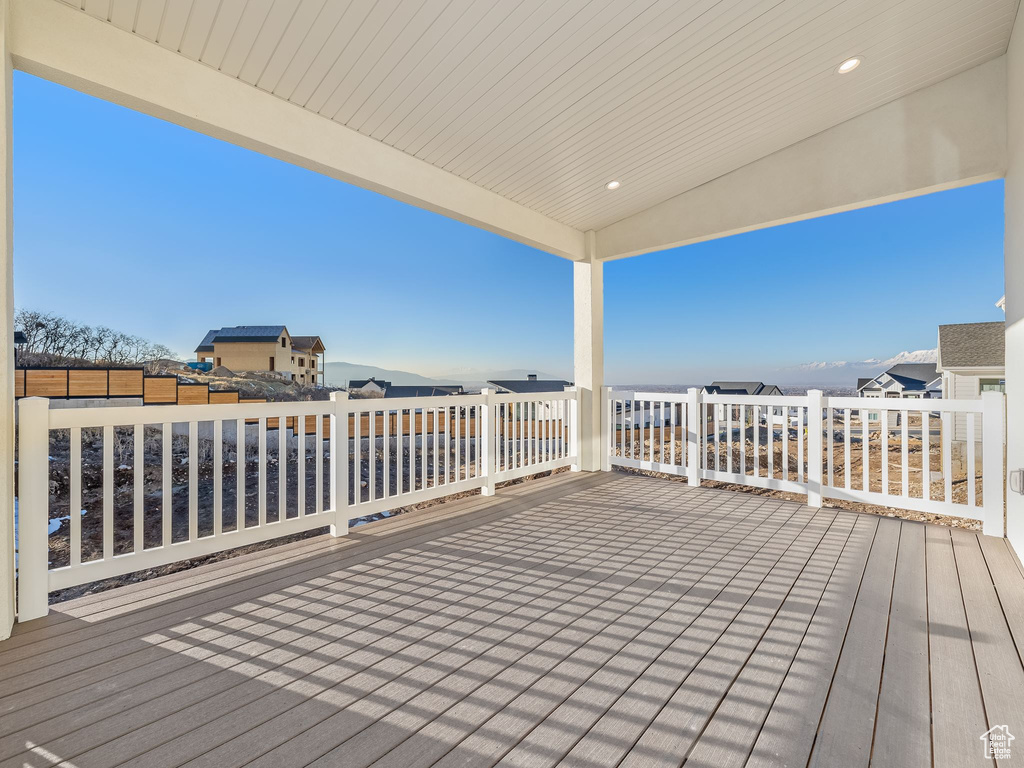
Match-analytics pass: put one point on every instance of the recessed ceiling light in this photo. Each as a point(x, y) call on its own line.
point(612, 185)
point(849, 65)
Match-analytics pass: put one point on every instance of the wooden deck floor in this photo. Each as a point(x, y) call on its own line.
point(580, 620)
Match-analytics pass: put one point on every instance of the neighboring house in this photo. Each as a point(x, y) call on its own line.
point(264, 348)
point(914, 381)
point(421, 390)
point(530, 384)
point(911, 380)
point(971, 361)
point(740, 388)
point(368, 387)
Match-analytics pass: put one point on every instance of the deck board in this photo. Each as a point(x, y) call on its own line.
point(584, 620)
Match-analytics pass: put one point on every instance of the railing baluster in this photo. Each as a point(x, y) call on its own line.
point(757, 440)
point(262, 467)
point(357, 462)
point(218, 477)
point(108, 492)
point(771, 440)
point(318, 481)
point(947, 456)
point(371, 434)
point(926, 455)
point(802, 415)
point(972, 469)
point(166, 485)
point(884, 442)
point(282, 469)
point(300, 466)
point(846, 446)
point(76, 495)
point(865, 450)
point(193, 480)
point(785, 443)
point(433, 451)
point(743, 439)
point(239, 474)
point(904, 453)
point(728, 426)
point(830, 436)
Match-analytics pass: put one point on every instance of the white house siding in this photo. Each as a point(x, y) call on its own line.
point(962, 386)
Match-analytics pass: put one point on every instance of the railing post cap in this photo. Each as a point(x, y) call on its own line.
point(335, 396)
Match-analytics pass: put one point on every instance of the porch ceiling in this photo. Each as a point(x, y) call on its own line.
point(544, 103)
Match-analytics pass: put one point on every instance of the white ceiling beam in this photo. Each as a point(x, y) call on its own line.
point(59, 43)
point(949, 134)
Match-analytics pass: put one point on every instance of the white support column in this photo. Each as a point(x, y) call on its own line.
point(815, 404)
point(339, 463)
point(488, 441)
point(992, 480)
point(6, 346)
point(1013, 244)
point(33, 510)
point(588, 353)
point(694, 429)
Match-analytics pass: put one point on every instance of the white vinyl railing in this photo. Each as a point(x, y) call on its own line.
point(889, 452)
point(146, 486)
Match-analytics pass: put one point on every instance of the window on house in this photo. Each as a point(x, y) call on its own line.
point(302, 362)
point(282, 342)
point(992, 385)
point(271, 363)
point(293, 359)
point(218, 362)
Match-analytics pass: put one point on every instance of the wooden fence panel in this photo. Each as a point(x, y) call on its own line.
point(126, 382)
point(87, 382)
point(46, 383)
point(161, 390)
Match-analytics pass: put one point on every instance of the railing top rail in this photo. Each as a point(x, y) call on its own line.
point(118, 416)
point(770, 400)
point(906, 404)
point(533, 397)
point(658, 397)
point(415, 403)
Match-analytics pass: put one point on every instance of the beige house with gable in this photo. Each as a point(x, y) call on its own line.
point(268, 348)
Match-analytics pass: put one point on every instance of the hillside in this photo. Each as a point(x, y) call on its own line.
point(340, 373)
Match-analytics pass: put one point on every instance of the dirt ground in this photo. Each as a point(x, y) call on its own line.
point(92, 494)
point(915, 480)
point(123, 496)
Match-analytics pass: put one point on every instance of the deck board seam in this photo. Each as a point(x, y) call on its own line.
point(682, 522)
point(839, 656)
point(681, 546)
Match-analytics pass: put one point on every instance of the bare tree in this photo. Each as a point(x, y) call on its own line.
point(55, 339)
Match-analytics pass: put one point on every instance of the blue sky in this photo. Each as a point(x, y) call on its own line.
point(128, 221)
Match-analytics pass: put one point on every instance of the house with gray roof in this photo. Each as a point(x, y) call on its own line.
point(971, 361)
point(264, 348)
point(530, 384)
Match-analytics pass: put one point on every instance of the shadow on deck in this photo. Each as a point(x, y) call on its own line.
point(584, 620)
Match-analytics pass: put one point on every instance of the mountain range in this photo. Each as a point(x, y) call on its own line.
point(846, 372)
point(338, 374)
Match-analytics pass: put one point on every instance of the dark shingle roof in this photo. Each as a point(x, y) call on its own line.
point(360, 383)
point(911, 376)
point(239, 333)
point(972, 345)
point(306, 343)
point(741, 388)
point(521, 386)
point(421, 390)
